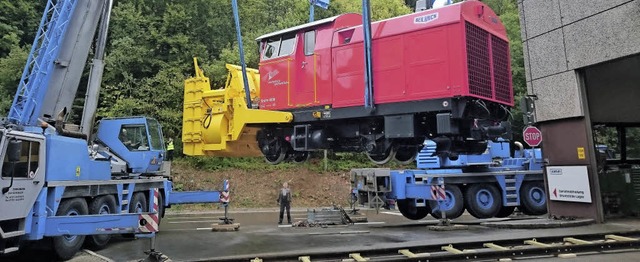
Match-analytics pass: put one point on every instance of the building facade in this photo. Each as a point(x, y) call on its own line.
point(582, 60)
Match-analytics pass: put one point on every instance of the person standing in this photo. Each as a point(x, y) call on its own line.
point(170, 150)
point(284, 199)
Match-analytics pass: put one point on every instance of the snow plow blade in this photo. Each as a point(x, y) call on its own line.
point(217, 122)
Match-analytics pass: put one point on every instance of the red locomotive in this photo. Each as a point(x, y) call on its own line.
point(441, 74)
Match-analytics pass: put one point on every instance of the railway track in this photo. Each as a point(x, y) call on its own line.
point(503, 250)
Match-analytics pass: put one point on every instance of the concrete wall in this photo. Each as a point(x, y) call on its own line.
point(560, 36)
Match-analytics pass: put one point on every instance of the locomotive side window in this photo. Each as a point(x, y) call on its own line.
point(271, 50)
point(279, 46)
point(309, 42)
point(288, 43)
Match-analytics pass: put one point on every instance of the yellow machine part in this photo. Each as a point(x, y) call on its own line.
point(217, 122)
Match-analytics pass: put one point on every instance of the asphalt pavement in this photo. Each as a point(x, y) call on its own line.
point(188, 237)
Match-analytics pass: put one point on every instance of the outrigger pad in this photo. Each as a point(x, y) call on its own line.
point(155, 256)
point(225, 227)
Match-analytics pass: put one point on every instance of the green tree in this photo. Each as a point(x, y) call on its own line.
point(10, 73)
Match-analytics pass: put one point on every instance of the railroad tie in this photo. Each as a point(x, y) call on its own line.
point(495, 247)
point(454, 250)
point(535, 242)
point(576, 241)
point(304, 259)
point(358, 257)
point(407, 253)
point(619, 238)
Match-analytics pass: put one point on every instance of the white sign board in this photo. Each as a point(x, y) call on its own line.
point(569, 183)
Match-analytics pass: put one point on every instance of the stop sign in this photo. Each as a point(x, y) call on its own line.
point(532, 136)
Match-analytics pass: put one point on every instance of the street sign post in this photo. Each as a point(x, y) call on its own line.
point(324, 4)
point(532, 136)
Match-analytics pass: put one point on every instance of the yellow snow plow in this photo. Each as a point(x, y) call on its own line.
point(217, 122)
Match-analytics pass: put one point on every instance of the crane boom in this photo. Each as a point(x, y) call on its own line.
point(54, 67)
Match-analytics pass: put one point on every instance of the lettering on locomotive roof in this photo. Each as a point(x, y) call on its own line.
point(425, 18)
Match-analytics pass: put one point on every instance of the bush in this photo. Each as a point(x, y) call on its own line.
point(338, 162)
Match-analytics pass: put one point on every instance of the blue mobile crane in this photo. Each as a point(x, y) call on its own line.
point(62, 181)
point(491, 184)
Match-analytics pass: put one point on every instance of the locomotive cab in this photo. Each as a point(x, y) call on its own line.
point(442, 74)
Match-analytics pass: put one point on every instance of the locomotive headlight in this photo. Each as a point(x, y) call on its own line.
point(445, 104)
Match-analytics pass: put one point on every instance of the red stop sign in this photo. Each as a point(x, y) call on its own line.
point(532, 136)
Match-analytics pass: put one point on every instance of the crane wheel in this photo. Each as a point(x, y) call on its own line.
point(505, 211)
point(65, 247)
point(483, 200)
point(100, 205)
point(533, 199)
point(409, 210)
point(453, 204)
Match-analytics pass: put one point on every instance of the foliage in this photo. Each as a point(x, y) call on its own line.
point(10, 72)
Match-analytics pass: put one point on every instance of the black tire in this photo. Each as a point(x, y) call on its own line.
point(160, 207)
point(138, 203)
point(454, 204)
point(409, 210)
point(483, 200)
point(101, 205)
point(505, 211)
point(65, 247)
point(533, 198)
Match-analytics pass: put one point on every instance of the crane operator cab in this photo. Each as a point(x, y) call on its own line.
point(135, 144)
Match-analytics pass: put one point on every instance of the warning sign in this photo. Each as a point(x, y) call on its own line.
point(569, 183)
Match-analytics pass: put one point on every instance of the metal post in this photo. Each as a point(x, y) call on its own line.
point(326, 161)
point(443, 215)
point(236, 18)
point(368, 73)
point(312, 4)
point(153, 243)
point(226, 218)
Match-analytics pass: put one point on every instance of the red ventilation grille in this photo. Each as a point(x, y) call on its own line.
point(488, 65)
point(478, 61)
point(501, 70)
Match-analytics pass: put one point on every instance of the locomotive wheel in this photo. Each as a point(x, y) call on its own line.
point(101, 205)
point(453, 204)
point(300, 157)
point(65, 247)
point(382, 158)
point(274, 152)
point(406, 155)
point(505, 211)
point(533, 199)
point(483, 200)
point(409, 210)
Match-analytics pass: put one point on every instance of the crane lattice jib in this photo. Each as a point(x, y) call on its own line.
point(46, 45)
